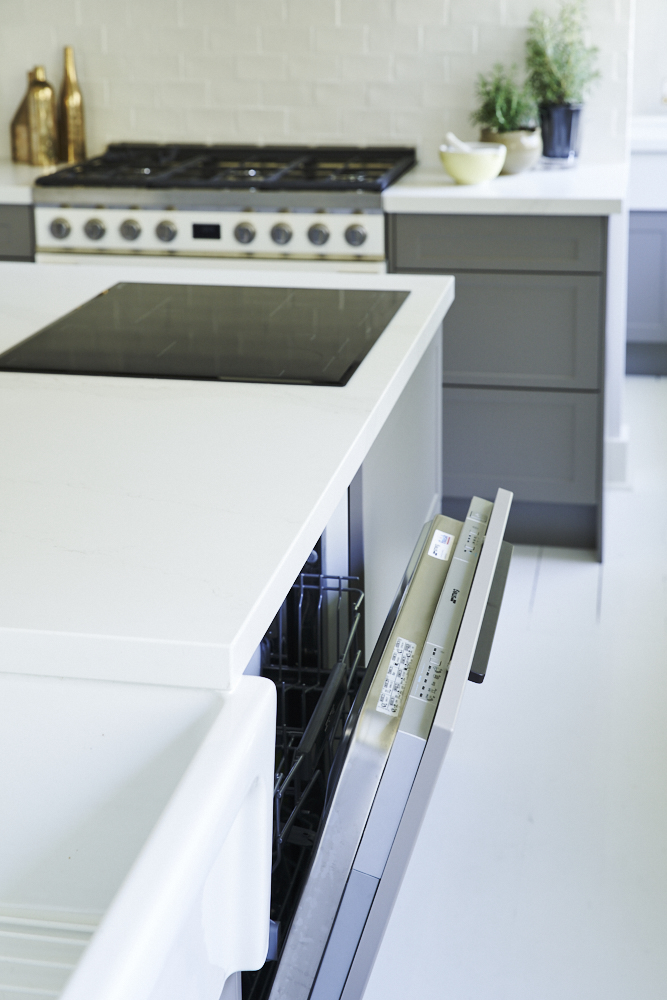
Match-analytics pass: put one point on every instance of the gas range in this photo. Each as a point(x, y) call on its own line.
point(295, 202)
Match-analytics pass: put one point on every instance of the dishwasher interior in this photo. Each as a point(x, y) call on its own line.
point(312, 653)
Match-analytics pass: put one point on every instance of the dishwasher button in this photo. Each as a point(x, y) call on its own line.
point(94, 229)
point(60, 228)
point(281, 233)
point(130, 229)
point(166, 231)
point(355, 235)
point(245, 232)
point(318, 234)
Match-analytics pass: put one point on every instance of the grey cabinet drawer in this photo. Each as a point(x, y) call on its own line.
point(647, 277)
point(541, 445)
point(524, 330)
point(496, 243)
point(17, 232)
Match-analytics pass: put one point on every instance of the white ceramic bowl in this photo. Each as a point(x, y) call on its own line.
point(483, 163)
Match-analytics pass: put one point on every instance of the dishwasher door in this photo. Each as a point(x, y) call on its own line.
point(398, 740)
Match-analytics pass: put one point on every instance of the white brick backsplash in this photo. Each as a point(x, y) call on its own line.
point(339, 71)
point(461, 38)
point(394, 38)
point(348, 39)
point(425, 68)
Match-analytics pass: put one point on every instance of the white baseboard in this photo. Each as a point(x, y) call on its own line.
point(616, 474)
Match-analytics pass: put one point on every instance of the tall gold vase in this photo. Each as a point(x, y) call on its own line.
point(42, 120)
point(71, 127)
point(34, 134)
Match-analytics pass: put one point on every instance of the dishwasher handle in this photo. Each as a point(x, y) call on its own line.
point(491, 615)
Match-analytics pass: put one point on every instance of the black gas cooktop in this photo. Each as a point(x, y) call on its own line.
point(290, 335)
point(264, 168)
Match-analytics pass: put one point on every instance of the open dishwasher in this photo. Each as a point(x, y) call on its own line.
point(143, 847)
point(355, 772)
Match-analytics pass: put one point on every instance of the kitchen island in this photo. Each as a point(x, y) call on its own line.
point(535, 344)
point(152, 528)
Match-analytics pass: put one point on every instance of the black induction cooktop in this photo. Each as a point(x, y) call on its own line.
point(302, 336)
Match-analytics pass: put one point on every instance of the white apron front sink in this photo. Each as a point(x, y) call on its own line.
point(135, 844)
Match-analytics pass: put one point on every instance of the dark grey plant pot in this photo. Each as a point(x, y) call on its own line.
point(560, 131)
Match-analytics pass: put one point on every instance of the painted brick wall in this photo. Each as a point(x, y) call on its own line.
point(358, 71)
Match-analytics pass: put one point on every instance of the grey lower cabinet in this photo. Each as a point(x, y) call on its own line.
point(523, 364)
point(646, 349)
point(17, 233)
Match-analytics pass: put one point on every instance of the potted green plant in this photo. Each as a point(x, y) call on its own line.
point(507, 113)
point(561, 68)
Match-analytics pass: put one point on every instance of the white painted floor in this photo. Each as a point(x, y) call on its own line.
point(541, 869)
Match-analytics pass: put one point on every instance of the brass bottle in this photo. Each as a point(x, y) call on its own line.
point(42, 133)
point(71, 129)
point(20, 129)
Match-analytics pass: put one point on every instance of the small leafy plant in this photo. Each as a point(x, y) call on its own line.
point(504, 104)
point(560, 65)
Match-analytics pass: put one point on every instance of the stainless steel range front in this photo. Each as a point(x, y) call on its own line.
point(221, 201)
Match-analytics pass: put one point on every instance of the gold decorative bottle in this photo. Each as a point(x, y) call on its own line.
point(42, 133)
point(20, 129)
point(72, 136)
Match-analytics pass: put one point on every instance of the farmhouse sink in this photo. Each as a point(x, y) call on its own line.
point(135, 844)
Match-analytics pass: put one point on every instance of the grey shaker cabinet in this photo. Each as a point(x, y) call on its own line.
point(532, 331)
point(17, 232)
point(541, 445)
point(496, 243)
point(523, 363)
point(647, 294)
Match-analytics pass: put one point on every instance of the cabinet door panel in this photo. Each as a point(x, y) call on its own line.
point(541, 445)
point(647, 277)
point(524, 330)
point(496, 243)
point(17, 232)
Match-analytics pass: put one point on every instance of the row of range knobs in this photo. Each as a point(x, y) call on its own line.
point(245, 232)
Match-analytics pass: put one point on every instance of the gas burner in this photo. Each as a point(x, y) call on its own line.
point(270, 168)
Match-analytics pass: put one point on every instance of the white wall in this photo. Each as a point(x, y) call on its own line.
point(358, 71)
point(650, 69)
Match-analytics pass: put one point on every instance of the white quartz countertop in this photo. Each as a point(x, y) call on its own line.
point(151, 528)
point(16, 181)
point(586, 189)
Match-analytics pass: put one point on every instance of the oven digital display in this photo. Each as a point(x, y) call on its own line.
point(302, 336)
point(205, 231)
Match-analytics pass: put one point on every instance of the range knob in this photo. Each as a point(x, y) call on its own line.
point(130, 229)
point(318, 234)
point(281, 233)
point(245, 232)
point(60, 228)
point(166, 231)
point(94, 229)
point(355, 235)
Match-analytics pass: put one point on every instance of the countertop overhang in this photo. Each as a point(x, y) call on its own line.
point(151, 528)
point(586, 189)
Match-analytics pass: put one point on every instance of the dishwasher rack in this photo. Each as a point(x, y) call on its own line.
point(312, 653)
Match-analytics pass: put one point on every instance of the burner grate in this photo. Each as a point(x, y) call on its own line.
point(264, 168)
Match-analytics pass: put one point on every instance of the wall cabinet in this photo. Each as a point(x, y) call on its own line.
point(647, 294)
point(523, 364)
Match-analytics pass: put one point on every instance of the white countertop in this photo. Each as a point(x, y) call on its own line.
point(151, 528)
point(16, 181)
point(587, 189)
